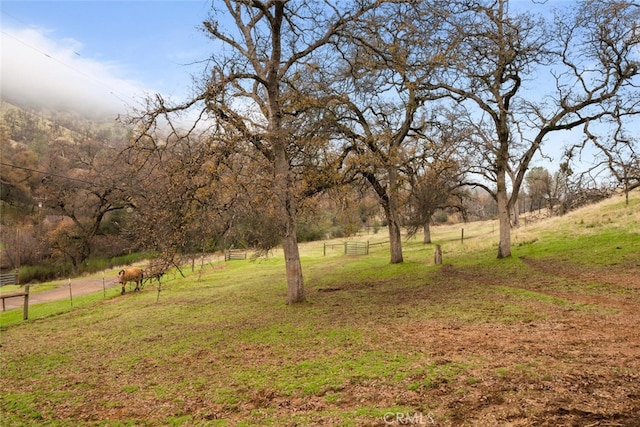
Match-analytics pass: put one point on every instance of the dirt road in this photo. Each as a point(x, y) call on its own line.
point(79, 286)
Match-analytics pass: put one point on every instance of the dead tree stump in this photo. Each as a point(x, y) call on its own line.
point(438, 255)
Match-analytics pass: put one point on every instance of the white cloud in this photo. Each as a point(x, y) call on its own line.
point(36, 69)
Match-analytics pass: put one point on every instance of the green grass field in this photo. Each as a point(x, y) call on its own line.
point(546, 337)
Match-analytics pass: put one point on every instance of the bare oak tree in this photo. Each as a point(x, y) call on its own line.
point(436, 174)
point(589, 55)
point(386, 59)
point(255, 88)
point(83, 187)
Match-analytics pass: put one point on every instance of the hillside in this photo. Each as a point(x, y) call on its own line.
point(546, 337)
point(30, 139)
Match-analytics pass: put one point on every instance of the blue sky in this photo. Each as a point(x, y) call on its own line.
point(106, 54)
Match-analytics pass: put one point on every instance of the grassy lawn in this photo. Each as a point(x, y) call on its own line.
point(546, 337)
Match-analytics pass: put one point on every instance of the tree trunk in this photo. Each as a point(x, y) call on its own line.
point(512, 201)
point(391, 210)
point(504, 217)
point(295, 285)
point(395, 241)
point(427, 232)
point(288, 211)
point(515, 212)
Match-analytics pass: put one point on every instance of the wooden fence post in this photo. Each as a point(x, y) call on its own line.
point(25, 313)
point(70, 293)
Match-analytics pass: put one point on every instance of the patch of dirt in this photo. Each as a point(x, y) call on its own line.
point(575, 367)
point(627, 276)
point(576, 364)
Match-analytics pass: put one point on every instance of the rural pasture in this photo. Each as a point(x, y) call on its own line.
point(548, 337)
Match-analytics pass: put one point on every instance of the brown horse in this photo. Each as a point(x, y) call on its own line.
point(133, 274)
